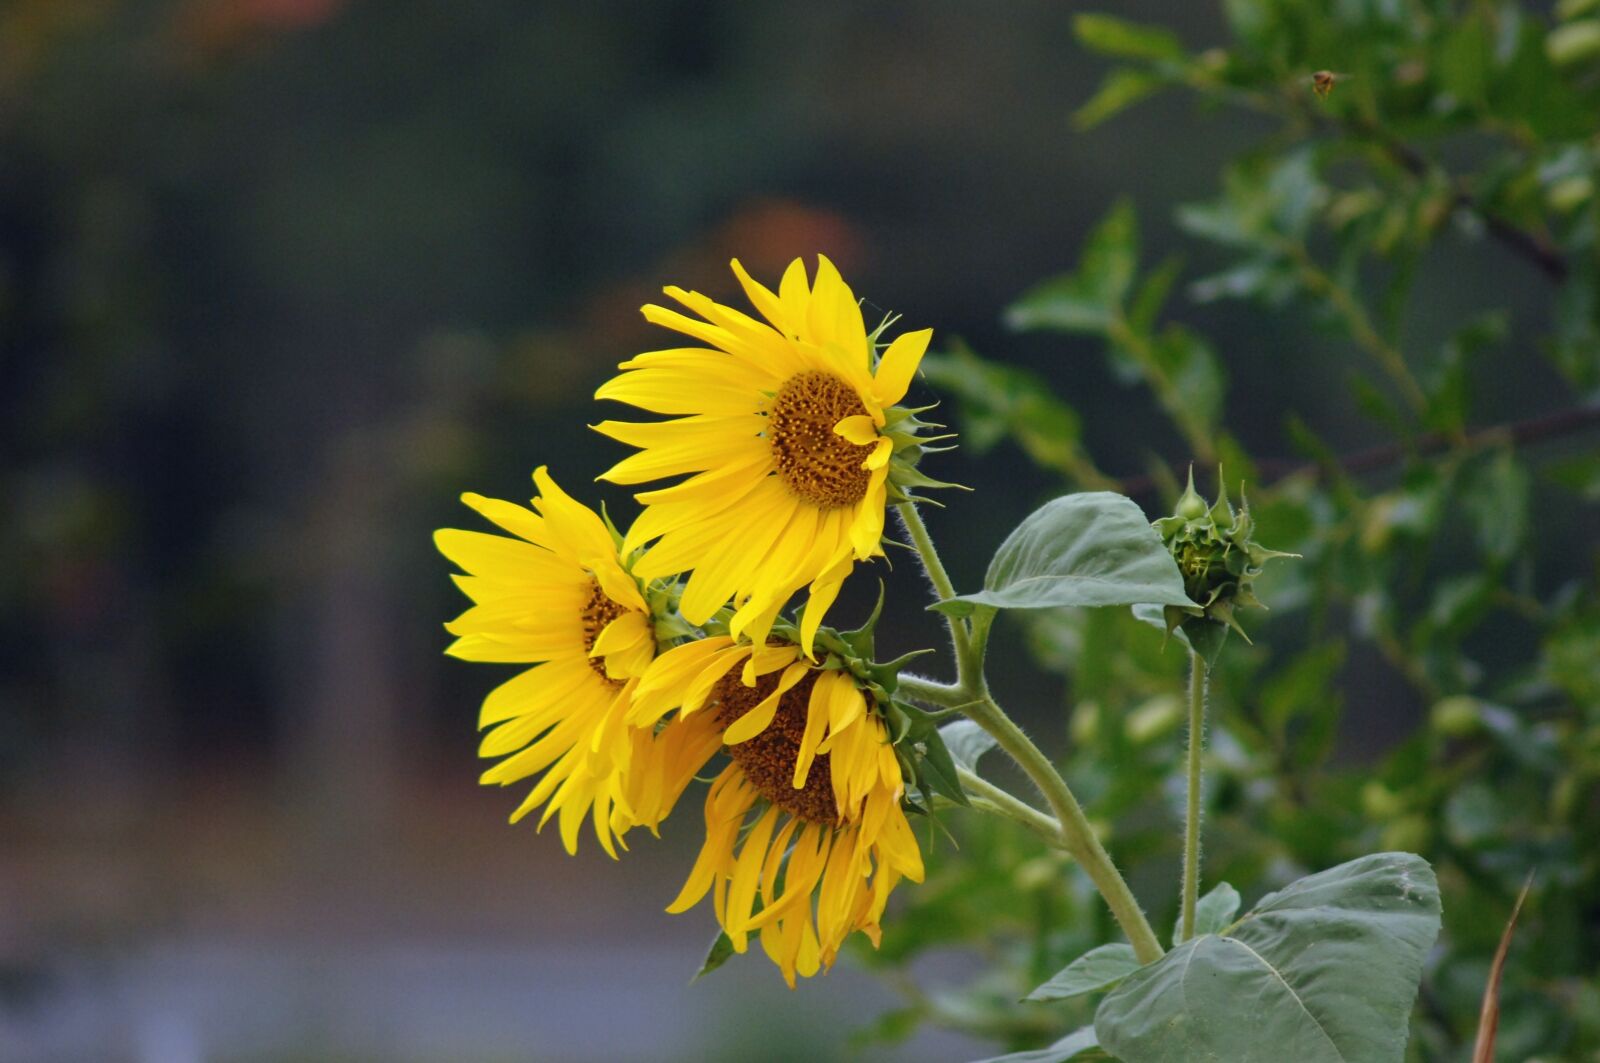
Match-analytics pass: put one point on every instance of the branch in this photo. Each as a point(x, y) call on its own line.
point(1532, 246)
point(1375, 459)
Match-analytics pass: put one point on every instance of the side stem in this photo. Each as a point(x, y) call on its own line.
point(1078, 836)
point(1191, 824)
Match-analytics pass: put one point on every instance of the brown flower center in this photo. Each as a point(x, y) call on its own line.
point(596, 613)
point(817, 464)
point(768, 759)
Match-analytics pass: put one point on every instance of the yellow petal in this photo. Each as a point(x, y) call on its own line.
point(859, 430)
point(756, 720)
point(899, 365)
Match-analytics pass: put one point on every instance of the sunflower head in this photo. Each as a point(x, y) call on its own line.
point(805, 834)
point(555, 595)
point(788, 441)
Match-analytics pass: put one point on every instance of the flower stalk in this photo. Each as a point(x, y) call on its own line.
point(1199, 679)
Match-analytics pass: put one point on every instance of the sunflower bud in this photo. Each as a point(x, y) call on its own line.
point(1219, 561)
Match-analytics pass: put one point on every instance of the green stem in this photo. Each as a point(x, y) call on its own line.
point(992, 798)
point(942, 586)
point(950, 695)
point(1191, 823)
point(1078, 836)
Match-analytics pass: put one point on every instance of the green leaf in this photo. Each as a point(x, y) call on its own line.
point(1214, 911)
point(1089, 549)
point(1080, 1044)
point(1196, 374)
point(966, 742)
point(717, 955)
point(1121, 89)
point(1497, 498)
point(1323, 971)
point(1088, 299)
point(1096, 969)
point(934, 769)
point(1114, 36)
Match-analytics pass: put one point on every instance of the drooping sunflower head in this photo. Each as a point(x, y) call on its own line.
point(805, 834)
point(556, 595)
point(787, 431)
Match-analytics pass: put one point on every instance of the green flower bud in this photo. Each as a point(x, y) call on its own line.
point(1219, 560)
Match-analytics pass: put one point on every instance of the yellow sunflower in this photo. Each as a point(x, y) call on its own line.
point(785, 431)
point(560, 597)
point(805, 835)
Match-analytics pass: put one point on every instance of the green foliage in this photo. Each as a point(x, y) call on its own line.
point(1323, 971)
point(1445, 515)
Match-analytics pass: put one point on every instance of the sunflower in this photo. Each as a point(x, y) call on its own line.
point(805, 835)
point(560, 597)
point(785, 429)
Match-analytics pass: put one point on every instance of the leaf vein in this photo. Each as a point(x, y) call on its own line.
point(1279, 976)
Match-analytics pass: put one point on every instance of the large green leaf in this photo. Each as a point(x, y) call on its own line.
point(1093, 548)
point(1323, 971)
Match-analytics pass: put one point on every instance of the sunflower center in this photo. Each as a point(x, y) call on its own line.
point(596, 613)
point(817, 464)
point(768, 759)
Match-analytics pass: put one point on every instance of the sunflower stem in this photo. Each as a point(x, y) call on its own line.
point(1198, 680)
point(960, 638)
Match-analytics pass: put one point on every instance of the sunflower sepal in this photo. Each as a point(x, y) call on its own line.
point(925, 760)
point(611, 526)
point(895, 415)
point(904, 475)
point(720, 952)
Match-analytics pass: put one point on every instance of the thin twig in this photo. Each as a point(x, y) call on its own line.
point(1375, 459)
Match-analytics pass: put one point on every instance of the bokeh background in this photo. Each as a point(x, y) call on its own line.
point(280, 278)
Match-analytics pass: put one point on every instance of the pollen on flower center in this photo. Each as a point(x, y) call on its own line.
point(768, 759)
point(816, 463)
point(596, 613)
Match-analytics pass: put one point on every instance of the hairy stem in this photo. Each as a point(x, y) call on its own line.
point(960, 638)
point(991, 798)
point(1191, 823)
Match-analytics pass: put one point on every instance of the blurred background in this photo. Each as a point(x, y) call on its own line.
point(279, 279)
